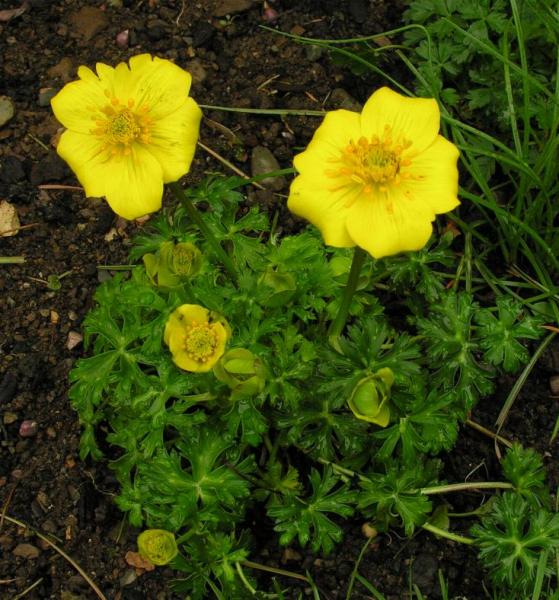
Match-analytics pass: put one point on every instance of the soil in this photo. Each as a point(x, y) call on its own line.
point(235, 63)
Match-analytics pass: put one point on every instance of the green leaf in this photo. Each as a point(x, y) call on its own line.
point(306, 518)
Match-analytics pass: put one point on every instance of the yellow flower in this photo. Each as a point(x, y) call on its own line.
point(196, 337)
point(158, 546)
point(129, 130)
point(376, 179)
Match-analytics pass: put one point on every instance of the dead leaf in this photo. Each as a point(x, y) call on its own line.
point(138, 562)
point(9, 220)
point(12, 13)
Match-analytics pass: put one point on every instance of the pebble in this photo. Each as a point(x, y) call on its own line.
point(424, 569)
point(46, 95)
point(7, 110)
point(28, 428)
point(202, 34)
point(339, 98)
point(128, 578)
point(195, 68)
point(313, 53)
point(122, 39)
point(26, 551)
point(230, 7)
point(88, 22)
point(9, 418)
point(263, 161)
point(554, 385)
point(62, 70)
point(9, 220)
point(49, 168)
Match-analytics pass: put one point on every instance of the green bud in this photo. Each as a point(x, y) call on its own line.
point(369, 400)
point(187, 259)
point(276, 289)
point(158, 546)
point(242, 371)
point(172, 264)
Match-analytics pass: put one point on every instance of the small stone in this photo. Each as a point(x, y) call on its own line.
point(74, 338)
point(7, 110)
point(28, 428)
point(122, 38)
point(290, 554)
point(26, 551)
point(8, 387)
point(554, 385)
point(9, 220)
point(339, 98)
point(54, 317)
point(313, 53)
point(62, 70)
point(424, 569)
point(51, 433)
point(9, 418)
point(202, 34)
point(230, 7)
point(195, 68)
point(263, 161)
point(49, 168)
point(46, 95)
point(88, 22)
point(128, 578)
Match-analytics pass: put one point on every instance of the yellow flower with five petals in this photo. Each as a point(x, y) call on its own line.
point(129, 130)
point(378, 178)
point(196, 337)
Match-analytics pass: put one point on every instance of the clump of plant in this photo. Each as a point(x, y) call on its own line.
point(233, 371)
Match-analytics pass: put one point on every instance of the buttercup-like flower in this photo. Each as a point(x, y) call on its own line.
point(376, 179)
point(196, 337)
point(129, 130)
point(158, 546)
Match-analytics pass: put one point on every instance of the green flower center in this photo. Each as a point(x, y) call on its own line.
point(123, 128)
point(200, 341)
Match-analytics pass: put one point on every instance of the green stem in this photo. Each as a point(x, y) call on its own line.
point(337, 325)
point(446, 534)
point(12, 260)
point(459, 487)
point(204, 228)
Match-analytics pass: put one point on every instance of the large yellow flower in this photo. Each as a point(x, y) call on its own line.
point(376, 179)
point(196, 337)
point(129, 130)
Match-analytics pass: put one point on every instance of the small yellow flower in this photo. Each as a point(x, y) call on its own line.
point(376, 179)
point(196, 337)
point(158, 546)
point(129, 130)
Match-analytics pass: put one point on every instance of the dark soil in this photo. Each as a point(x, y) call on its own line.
point(235, 63)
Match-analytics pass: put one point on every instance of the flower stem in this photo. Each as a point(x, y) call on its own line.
point(337, 325)
point(470, 485)
point(446, 534)
point(205, 229)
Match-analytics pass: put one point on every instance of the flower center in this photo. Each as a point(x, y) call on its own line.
point(200, 341)
point(121, 125)
point(372, 163)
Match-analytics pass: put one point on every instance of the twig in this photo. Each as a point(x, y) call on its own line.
point(91, 583)
point(56, 186)
point(27, 590)
point(227, 163)
point(16, 229)
point(253, 565)
point(489, 433)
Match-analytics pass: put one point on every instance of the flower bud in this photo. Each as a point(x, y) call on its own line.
point(369, 400)
point(172, 264)
point(157, 545)
point(242, 371)
point(276, 289)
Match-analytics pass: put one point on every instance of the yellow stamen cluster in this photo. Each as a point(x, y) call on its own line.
point(121, 125)
point(373, 162)
point(200, 341)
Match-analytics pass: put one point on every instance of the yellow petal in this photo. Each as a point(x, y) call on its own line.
point(76, 103)
point(389, 224)
point(338, 128)
point(192, 312)
point(323, 207)
point(158, 84)
point(414, 119)
point(434, 177)
point(134, 183)
point(173, 140)
point(86, 157)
